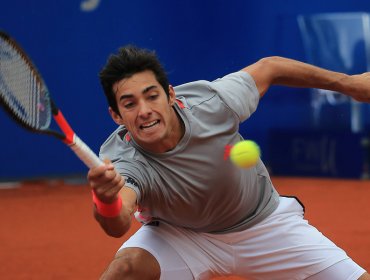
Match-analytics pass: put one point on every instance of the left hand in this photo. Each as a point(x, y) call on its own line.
point(359, 87)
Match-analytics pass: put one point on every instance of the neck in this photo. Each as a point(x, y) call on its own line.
point(176, 134)
point(173, 137)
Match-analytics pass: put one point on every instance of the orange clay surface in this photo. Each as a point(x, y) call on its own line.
point(48, 232)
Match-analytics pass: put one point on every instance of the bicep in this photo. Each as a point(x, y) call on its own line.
point(261, 76)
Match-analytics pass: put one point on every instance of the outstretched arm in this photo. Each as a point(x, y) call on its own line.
point(288, 72)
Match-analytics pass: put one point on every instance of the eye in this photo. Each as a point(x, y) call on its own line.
point(128, 105)
point(153, 96)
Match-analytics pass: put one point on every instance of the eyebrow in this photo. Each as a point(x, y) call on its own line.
point(144, 91)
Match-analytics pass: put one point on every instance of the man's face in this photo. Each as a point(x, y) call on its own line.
point(146, 111)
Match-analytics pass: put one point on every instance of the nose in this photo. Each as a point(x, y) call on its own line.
point(145, 109)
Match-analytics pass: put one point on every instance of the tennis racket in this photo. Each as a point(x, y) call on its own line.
point(24, 95)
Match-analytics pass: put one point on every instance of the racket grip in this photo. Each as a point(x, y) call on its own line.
point(85, 153)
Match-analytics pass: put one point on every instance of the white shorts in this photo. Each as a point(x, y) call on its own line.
point(283, 246)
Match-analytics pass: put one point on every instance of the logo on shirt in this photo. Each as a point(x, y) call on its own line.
point(227, 151)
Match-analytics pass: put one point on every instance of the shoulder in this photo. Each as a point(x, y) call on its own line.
point(204, 87)
point(194, 92)
point(239, 79)
point(237, 91)
point(226, 88)
point(115, 144)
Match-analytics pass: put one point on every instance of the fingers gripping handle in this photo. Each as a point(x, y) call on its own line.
point(85, 153)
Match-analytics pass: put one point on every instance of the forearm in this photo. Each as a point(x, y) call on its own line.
point(115, 226)
point(115, 218)
point(287, 72)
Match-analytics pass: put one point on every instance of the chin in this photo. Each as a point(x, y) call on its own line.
point(149, 140)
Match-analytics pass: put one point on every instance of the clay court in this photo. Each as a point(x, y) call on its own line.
point(48, 231)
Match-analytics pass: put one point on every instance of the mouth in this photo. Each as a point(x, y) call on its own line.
point(149, 124)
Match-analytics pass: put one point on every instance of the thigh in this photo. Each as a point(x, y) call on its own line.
point(171, 264)
point(128, 264)
point(182, 251)
point(285, 246)
point(345, 270)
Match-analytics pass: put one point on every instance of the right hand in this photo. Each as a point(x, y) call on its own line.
point(105, 182)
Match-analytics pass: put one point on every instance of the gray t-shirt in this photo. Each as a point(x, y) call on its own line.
point(195, 185)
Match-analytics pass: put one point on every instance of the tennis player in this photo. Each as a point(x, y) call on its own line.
point(202, 216)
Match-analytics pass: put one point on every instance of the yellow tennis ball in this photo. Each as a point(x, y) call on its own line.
point(245, 154)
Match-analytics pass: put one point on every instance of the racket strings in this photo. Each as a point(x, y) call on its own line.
point(21, 89)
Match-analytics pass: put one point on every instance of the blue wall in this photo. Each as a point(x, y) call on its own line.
point(194, 39)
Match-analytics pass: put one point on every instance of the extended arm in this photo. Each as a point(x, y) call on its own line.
point(288, 72)
point(108, 186)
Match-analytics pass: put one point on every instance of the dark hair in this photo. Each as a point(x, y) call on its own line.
point(128, 61)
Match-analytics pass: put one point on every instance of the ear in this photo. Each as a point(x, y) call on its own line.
point(116, 117)
point(172, 95)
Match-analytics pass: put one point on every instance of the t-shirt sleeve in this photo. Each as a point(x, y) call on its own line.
point(239, 92)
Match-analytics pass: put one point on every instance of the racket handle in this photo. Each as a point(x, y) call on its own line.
point(85, 153)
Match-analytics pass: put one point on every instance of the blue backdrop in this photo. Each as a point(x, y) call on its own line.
point(69, 41)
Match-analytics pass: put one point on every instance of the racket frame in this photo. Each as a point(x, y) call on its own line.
point(68, 136)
